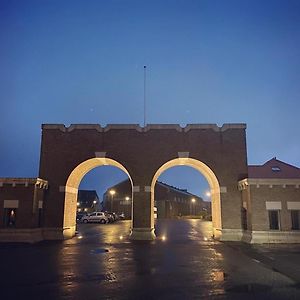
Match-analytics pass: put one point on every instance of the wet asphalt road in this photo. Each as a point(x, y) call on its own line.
point(101, 263)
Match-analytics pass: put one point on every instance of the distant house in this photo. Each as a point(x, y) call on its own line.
point(271, 203)
point(169, 201)
point(88, 201)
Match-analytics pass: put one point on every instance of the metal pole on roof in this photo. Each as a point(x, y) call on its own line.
point(144, 96)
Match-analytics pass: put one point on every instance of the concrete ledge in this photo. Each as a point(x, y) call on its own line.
point(231, 235)
point(139, 128)
point(29, 235)
point(271, 237)
point(69, 232)
point(217, 233)
point(34, 235)
point(53, 234)
point(142, 234)
point(59, 233)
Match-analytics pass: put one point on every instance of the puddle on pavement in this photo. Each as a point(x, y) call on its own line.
point(218, 276)
point(99, 251)
point(248, 288)
point(71, 279)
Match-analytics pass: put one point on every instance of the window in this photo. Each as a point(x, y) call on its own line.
point(295, 214)
point(276, 169)
point(10, 217)
point(274, 219)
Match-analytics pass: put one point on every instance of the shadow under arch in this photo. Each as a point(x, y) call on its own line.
point(71, 190)
point(211, 179)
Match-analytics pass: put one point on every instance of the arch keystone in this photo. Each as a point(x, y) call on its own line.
point(100, 154)
point(183, 154)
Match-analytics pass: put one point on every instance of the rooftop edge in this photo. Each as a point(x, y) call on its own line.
point(139, 128)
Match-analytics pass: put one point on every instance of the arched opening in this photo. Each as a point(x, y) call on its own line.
point(72, 185)
point(182, 192)
point(211, 179)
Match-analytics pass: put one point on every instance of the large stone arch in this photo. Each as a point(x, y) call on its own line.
point(71, 189)
point(211, 179)
point(218, 152)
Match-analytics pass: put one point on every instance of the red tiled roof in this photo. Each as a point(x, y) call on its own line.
point(274, 168)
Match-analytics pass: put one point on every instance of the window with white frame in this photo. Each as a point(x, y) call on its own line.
point(295, 216)
point(274, 219)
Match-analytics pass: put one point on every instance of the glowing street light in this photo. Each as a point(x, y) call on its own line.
point(112, 193)
point(193, 200)
point(78, 203)
point(94, 205)
point(127, 198)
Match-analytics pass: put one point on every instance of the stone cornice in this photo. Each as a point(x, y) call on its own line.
point(41, 183)
point(148, 127)
point(242, 184)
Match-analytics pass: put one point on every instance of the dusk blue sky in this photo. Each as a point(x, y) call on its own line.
point(207, 62)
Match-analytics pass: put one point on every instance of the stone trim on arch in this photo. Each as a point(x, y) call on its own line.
point(71, 189)
point(211, 179)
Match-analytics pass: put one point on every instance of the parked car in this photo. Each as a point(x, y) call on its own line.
point(121, 216)
point(79, 216)
point(95, 217)
point(112, 217)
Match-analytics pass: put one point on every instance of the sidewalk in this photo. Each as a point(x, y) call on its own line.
point(281, 258)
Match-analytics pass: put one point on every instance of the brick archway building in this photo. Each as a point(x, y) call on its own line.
point(68, 153)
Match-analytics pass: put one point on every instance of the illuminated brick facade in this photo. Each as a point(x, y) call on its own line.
point(170, 201)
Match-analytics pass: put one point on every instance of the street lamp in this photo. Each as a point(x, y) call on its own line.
point(127, 207)
point(193, 200)
point(112, 193)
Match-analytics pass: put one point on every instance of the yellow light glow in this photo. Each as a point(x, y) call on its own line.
point(112, 192)
point(121, 237)
point(72, 185)
point(78, 203)
point(163, 238)
point(85, 209)
point(80, 236)
point(127, 198)
point(211, 179)
point(208, 194)
point(205, 238)
point(193, 200)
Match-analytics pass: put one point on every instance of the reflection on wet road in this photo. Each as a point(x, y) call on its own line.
point(184, 262)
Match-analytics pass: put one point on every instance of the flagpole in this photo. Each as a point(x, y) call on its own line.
point(144, 96)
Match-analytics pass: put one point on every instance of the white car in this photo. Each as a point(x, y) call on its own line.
point(95, 217)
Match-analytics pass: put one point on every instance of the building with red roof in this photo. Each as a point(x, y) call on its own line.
point(270, 197)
